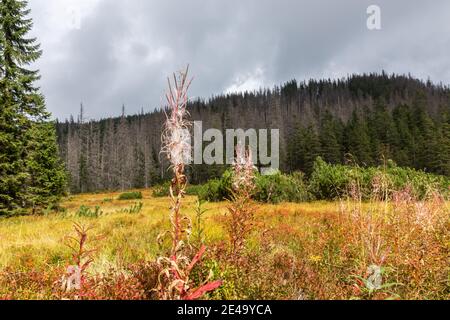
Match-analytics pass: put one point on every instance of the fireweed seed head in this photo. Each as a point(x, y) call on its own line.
point(244, 169)
point(179, 146)
point(176, 138)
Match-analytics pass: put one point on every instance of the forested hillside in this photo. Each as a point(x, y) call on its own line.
point(364, 119)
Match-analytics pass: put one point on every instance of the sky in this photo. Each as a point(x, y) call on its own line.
point(109, 53)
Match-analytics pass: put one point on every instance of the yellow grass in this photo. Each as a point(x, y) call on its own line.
point(39, 241)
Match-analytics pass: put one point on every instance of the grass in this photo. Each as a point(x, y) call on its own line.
point(128, 238)
point(308, 250)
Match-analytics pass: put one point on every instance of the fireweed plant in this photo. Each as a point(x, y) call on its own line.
point(241, 208)
point(174, 280)
point(75, 275)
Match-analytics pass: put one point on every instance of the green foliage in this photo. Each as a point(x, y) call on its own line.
point(161, 190)
point(134, 209)
point(357, 140)
point(303, 149)
point(30, 173)
point(279, 187)
point(273, 188)
point(194, 190)
point(330, 182)
point(87, 212)
point(47, 179)
point(199, 228)
point(130, 196)
point(218, 189)
point(330, 136)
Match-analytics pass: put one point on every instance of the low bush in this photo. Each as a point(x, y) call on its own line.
point(279, 187)
point(86, 212)
point(134, 209)
point(329, 182)
point(217, 189)
point(131, 196)
point(273, 188)
point(162, 190)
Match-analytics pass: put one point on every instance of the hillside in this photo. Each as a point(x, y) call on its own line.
point(364, 119)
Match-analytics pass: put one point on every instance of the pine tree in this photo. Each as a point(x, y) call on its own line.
point(402, 118)
point(383, 133)
point(443, 166)
point(329, 140)
point(47, 180)
point(358, 140)
point(21, 106)
point(304, 149)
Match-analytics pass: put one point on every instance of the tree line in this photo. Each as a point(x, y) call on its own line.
point(364, 119)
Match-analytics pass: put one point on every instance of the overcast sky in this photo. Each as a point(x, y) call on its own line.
point(106, 53)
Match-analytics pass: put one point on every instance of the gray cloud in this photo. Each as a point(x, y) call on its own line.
point(123, 50)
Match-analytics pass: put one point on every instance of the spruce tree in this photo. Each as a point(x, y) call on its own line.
point(443, 166)
point(305, 149)
point(384, 135)
point(46, 177)
point(358, 140)
point(404, 152)
point(22, 106)
point(330, 140)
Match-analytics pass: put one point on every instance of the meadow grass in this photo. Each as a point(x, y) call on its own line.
point(317, 250)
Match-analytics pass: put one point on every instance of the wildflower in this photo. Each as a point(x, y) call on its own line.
point(244, 170)
point(174, 279)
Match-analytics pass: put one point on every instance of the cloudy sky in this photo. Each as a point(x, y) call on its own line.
point(106, 53)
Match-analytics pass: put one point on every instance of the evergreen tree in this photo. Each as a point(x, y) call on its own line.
point(383, 133)
point(443, 164)
point(46, 176)
point(404, 150)
point(21, 106)
point(358, 140)
point(426, 136)
point(304, 149)
point(330, 140)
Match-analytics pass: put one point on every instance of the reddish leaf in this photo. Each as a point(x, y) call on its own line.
point(202, 290)
point(196, 259)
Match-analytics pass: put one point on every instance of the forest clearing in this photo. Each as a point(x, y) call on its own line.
point(289, 165)
point(317, 250)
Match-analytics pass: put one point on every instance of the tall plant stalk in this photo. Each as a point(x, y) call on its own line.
point(176, 144)
point(241, 209)
point(175, 282)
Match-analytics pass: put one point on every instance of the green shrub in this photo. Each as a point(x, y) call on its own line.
point(329, 182)
point(86, 212)
point(217, 189)
point(134, 209)
point(194, 190)
point(273, 188)
point(130, 196)
point(161, 190)
point(279, 187)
